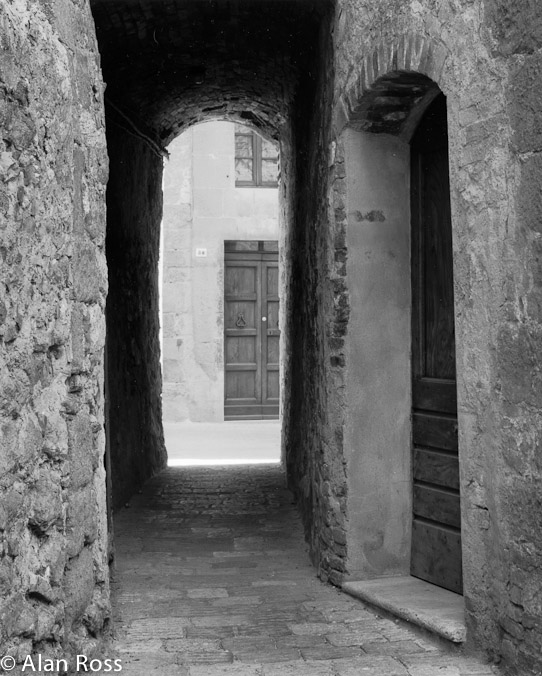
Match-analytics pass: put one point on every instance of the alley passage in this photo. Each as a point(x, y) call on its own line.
point(213, 578)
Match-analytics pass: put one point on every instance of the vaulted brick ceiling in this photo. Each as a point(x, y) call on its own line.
point(171, 63)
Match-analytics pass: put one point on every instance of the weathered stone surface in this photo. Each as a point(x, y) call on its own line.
point(79, 584)
point(299, 626)
point(301, 75)
point(518, 29)
point(82, 453)
point(42, 112)
point(81, 520)
point(46, 501)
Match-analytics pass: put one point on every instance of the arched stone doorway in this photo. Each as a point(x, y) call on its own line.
point(192, 62)
point(401, 434)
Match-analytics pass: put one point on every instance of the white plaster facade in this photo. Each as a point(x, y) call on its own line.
point(202, 209)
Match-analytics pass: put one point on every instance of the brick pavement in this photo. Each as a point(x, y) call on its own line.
point(213, 578)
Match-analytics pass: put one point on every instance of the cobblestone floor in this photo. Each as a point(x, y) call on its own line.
point(213, 578)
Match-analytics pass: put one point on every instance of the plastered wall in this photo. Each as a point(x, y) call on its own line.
point(202, 209)
point(377, 431)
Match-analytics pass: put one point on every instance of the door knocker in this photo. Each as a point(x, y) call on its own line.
point(240, 323)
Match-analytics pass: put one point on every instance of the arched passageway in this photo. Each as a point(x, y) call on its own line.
point(302, 72)
point(401, 278)
point(166, 67)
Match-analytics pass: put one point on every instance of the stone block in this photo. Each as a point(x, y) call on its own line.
point(79, 585)
point(208, 203)
point(375, 666)
point(82, 453)
point(98, 613)
point(327, 652)
point(46, 502)
point(77, 334)
point(349, 637)
point(226, 670)
point(81, 519)
point(52, 557)
point(298, 668)
point(307, 628)
point(89, 274)
point(165, 628)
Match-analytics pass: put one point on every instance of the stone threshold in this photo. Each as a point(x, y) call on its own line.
point(434, 609)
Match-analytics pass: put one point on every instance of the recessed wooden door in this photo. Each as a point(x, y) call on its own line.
point(436, 530)
point(251, 331)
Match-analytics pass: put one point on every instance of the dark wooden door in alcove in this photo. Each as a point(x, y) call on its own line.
point(251, 330)
point(436, 530)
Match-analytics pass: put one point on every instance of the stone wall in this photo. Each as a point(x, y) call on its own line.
point(514, 546)
point(488, 64)
point(316, 319)
point(485, 56)
point(53, 282)
point(134, 385)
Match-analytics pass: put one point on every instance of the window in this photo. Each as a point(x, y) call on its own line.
point(256, 160)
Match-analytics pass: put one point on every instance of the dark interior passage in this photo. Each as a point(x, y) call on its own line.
point(168, 66)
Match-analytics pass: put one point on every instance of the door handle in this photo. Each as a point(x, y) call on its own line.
point(264, 319)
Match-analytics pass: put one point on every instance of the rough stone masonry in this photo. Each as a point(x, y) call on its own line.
point(309, 73)
point(53, 565)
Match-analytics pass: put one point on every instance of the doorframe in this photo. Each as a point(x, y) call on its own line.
point(443, 402)
point(377, 447)
point(242, 250)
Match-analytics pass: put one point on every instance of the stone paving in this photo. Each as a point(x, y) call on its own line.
point(213, 578)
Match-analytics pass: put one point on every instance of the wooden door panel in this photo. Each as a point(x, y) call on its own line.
point(436, 431)
point(447, 566)
point(241, 386)
point(240, 315)
point(241, 279)
point(437, 504)
point(272, 315)
point(437, 468)
point(270, 338)
point(242, 358)
point(241, 350)
point(272, 280)
point(273, 351)
point(438, 312)
point(432, 394)
point(436, 532)
point(251, 343)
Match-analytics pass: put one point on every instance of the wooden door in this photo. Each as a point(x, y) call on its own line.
point(251, 331)
point(436, 530)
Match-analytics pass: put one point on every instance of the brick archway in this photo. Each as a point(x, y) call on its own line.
point(392, 87)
